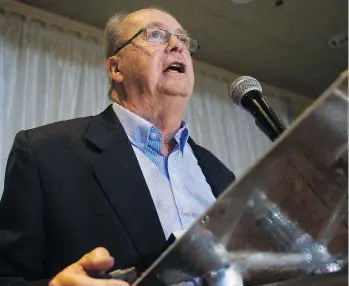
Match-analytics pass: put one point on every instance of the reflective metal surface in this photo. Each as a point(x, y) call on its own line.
point(286, 217)
point(228, 276)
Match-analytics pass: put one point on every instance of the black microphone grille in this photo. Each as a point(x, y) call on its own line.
point(243, 85)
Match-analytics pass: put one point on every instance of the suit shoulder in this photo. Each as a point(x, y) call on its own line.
point(67, 129)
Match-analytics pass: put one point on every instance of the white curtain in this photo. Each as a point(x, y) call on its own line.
point(47, 75)
point(226, 129)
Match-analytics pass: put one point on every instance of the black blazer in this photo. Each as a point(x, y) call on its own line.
point(75, 185)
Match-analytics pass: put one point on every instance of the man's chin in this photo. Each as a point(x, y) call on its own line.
point(176, 93)
point(177, 89)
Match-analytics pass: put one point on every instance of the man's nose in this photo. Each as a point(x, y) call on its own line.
point(175, 45)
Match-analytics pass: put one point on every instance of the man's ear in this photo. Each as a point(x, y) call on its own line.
point(112, 65)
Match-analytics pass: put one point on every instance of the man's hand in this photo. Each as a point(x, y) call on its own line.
point(78, 274)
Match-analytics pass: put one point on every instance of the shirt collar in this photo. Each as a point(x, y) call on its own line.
point(182, 135)
point(139, 130)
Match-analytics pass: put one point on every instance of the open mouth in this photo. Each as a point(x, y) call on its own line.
point(176, 67)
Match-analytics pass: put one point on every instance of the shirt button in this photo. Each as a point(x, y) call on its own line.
point(186, 210)
point(153, 136)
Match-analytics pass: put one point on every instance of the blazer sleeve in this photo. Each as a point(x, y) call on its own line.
point(22, 235)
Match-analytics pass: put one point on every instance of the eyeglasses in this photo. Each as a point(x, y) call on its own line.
point(162, 37)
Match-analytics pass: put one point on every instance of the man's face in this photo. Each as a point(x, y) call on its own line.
point(145, 66)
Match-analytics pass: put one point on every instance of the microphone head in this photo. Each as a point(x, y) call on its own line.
point(243, 85)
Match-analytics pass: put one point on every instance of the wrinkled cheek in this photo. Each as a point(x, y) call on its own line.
point(134, 83)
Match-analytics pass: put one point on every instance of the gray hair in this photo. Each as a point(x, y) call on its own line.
point(113, 39)
point(114, 33)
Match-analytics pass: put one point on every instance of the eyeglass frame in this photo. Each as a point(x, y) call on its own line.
point(143, 30)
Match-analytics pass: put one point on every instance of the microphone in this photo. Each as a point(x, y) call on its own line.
point(246, 92)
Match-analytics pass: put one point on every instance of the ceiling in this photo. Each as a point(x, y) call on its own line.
point(284, 45)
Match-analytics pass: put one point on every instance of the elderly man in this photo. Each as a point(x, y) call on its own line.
point(117, 184)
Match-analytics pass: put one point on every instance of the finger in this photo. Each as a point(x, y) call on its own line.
point(64, 279)
point(98, 259)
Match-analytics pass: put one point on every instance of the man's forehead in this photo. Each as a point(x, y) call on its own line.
point(161, 25)
point(152, 18)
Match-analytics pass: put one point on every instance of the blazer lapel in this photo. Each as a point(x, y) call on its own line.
point(217, 175)
point(122, 182)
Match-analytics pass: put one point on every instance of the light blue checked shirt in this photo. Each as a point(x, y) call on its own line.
point(176, 183)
